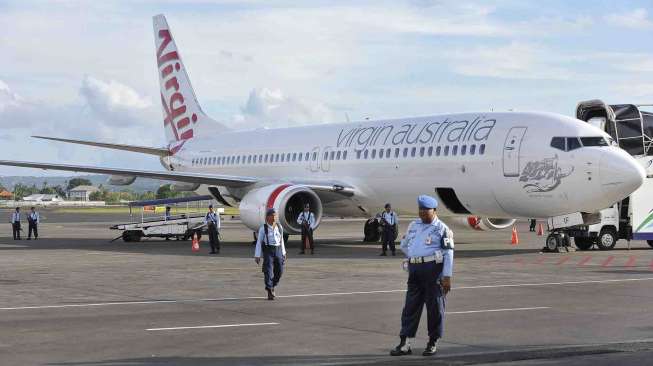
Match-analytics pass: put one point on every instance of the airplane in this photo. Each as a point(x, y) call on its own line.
point(486, 168)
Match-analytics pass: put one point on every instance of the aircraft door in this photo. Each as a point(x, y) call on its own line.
point(314, 159)
point(511, 149)
point(326, 163)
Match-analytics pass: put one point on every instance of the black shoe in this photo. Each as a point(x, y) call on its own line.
point(29, 238)
point(302, 252)
point(382, 254)
point(401, 350)
point(393, 254)
point(270, 294)
point(212, 252)
point(430, 349)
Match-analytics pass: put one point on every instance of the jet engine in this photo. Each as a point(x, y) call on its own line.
point(184, 187)
point(120, 180)
point(479, 223)
point(287, 199)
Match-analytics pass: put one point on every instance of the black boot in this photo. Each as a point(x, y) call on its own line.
point(270, 293)
point(382, 254)
point(430, 349)
point(402, 349)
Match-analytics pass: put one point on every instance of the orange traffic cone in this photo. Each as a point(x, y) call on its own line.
point(196, 243)
point(515, 238)
point(540, 230)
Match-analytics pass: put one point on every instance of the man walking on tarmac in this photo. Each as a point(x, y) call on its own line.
point(307, 221)
point(270, 246)
point(212, 220)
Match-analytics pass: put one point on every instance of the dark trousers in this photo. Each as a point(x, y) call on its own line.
point(33, 227)
point(532, 225)
point(423, 288)
point(307, 234)
point(388, 238)
point(214, 239)
point(272, 265)
point(16, 230)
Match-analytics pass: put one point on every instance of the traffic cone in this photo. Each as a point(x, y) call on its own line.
point(540, 230)
point(196, 243)
point(515, 238)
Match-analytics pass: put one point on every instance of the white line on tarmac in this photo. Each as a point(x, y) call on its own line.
point(145, 302)
point(213, 326)
point(496, 310)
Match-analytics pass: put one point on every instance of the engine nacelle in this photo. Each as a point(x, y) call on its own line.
point(287, 199)
point(184, 187)
point(120, 180)
point(480, 223)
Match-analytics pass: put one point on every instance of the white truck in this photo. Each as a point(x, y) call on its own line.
point(632, 218)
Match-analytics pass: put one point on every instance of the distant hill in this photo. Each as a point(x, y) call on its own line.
point(139, 186)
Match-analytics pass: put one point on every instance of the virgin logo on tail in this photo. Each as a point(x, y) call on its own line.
point(173, 102)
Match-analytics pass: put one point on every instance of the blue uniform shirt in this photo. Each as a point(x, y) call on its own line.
point(423, 240)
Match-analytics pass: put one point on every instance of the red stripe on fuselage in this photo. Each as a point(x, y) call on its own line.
point(275, 194)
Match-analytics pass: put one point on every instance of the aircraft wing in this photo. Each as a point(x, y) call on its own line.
point(325, 188)
point(132, 148)
point(202, 178)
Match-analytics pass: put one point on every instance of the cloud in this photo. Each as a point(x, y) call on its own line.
point(271, 108)
point(113, 102)
point(636, 19)
point(8, 98)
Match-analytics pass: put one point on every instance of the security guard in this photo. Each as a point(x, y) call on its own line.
point(428, 246)
point(15, 223)
point(389, 222)
point(307, 221)
point(33, 221)
point(212, 219)
point(270, 246)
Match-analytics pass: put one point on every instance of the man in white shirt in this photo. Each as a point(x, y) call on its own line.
point(270, 246)
point(389, 222)
point(33, 221)
point(15, 223)
point(307, 221)
point(212, 220)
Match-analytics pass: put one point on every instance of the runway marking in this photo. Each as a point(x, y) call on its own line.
point(585, 260)
point(562, 261)
point(496, 310)
point(607, 261)
point(148, 302)
point(631, 261)
point(212, 326)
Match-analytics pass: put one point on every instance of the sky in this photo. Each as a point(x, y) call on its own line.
point(87, 69)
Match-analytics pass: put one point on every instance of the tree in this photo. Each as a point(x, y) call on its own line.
point(22, 190)
point(78, 182)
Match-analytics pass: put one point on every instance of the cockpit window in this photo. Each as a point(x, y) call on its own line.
point(558, 143)
point(572, 143)
point(593, 141)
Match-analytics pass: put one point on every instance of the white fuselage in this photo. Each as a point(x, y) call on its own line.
point(498, 164)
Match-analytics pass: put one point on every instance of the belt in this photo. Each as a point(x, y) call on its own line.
point(418, 260)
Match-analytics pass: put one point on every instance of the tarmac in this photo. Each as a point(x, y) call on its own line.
point(75, 298)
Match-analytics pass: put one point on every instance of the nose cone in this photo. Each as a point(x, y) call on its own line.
point(620, 174)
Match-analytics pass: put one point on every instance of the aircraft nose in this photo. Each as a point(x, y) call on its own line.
point(620, 174)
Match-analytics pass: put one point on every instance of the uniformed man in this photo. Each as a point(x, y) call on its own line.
point(307, 221)
point(15, 223)
point(389, 222)
point(212, 220)
point(428, 246)
point(168, 213)
point(270, 246)
point(33, 221)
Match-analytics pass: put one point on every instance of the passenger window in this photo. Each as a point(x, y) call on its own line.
point(437, 151)
point(405, 152)
point(332, 155)
point(396, 152)
point(276, 158)
point(249, 159)
point(463, 150)
point(365, 154)
point(338, 155)
point(446, 150)
point(558, 143)
point(454, 150)
point(412, 151)
point(358, 154)
point(430, 151)
point(315, 156)
point(344, 155)
point(481, 150)
point(380, 153)
point(472, 149)
point(421, 151)
point(373, 153)
point(288, 157)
